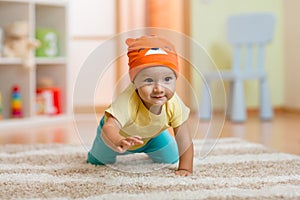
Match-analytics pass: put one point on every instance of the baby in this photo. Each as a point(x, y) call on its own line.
point(138, 120)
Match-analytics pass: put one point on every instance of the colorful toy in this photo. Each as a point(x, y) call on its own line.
point(48, 98)
point(48, 101)
point(1, 117)
point(17, 43)
point(49, 43)
point(16, 103)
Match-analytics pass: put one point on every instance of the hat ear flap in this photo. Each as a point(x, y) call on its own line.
point(129, 41)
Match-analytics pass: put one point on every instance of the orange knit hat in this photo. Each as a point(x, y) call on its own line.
point(149, 51)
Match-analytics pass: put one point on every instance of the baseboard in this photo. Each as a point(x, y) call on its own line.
point(255, 111)
point(291, 110)
point(277, 110)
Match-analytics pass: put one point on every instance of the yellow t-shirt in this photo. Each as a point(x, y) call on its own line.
point(136, 119)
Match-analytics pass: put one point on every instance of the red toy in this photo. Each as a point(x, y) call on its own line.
point(48, 101)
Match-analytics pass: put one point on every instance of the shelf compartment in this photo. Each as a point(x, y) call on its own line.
point(23, 82)
point(56, 74)
point(13, 11)
point(52, 17)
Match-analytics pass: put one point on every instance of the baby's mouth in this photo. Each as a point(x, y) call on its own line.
point(158, 97)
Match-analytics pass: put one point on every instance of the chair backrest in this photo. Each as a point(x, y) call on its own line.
point(250, 28)
point(250, 31)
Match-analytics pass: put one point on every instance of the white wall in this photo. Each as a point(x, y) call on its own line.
point(91, 23)
point(92, 17)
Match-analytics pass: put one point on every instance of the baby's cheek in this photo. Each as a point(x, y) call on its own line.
point(170, 88)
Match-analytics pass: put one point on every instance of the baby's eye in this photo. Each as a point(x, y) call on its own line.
point(167, 79)
point(148, 80)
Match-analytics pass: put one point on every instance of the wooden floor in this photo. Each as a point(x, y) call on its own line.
point(281, 134)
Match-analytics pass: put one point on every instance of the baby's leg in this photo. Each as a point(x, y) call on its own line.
point(100, 154)
point(163, 148)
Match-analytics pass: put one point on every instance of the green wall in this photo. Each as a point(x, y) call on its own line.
point(208, 29)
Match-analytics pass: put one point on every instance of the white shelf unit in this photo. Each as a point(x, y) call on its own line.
point(52, 14)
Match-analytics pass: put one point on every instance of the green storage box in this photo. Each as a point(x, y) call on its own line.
point(48, 43)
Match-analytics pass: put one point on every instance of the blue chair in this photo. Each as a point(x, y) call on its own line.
point(248, 34)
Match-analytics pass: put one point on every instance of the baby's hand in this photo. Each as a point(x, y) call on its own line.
point(126, 143)
point(183, 172)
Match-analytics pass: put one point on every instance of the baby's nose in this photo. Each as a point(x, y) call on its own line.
point(158, 88)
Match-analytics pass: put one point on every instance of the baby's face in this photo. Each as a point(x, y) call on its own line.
point(155, 85)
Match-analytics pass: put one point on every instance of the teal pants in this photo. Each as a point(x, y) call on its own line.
point(161, 149)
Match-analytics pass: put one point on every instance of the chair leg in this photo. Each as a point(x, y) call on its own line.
point(205, 104)
point(238, 112)
point(229, 100)
point(266, 111)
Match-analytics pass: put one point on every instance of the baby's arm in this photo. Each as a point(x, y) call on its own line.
point(186, 150)
point(112, 138)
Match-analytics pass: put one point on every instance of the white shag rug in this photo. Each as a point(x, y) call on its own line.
point(234, 169)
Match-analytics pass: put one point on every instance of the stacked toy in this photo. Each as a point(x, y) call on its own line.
point(16, 104)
